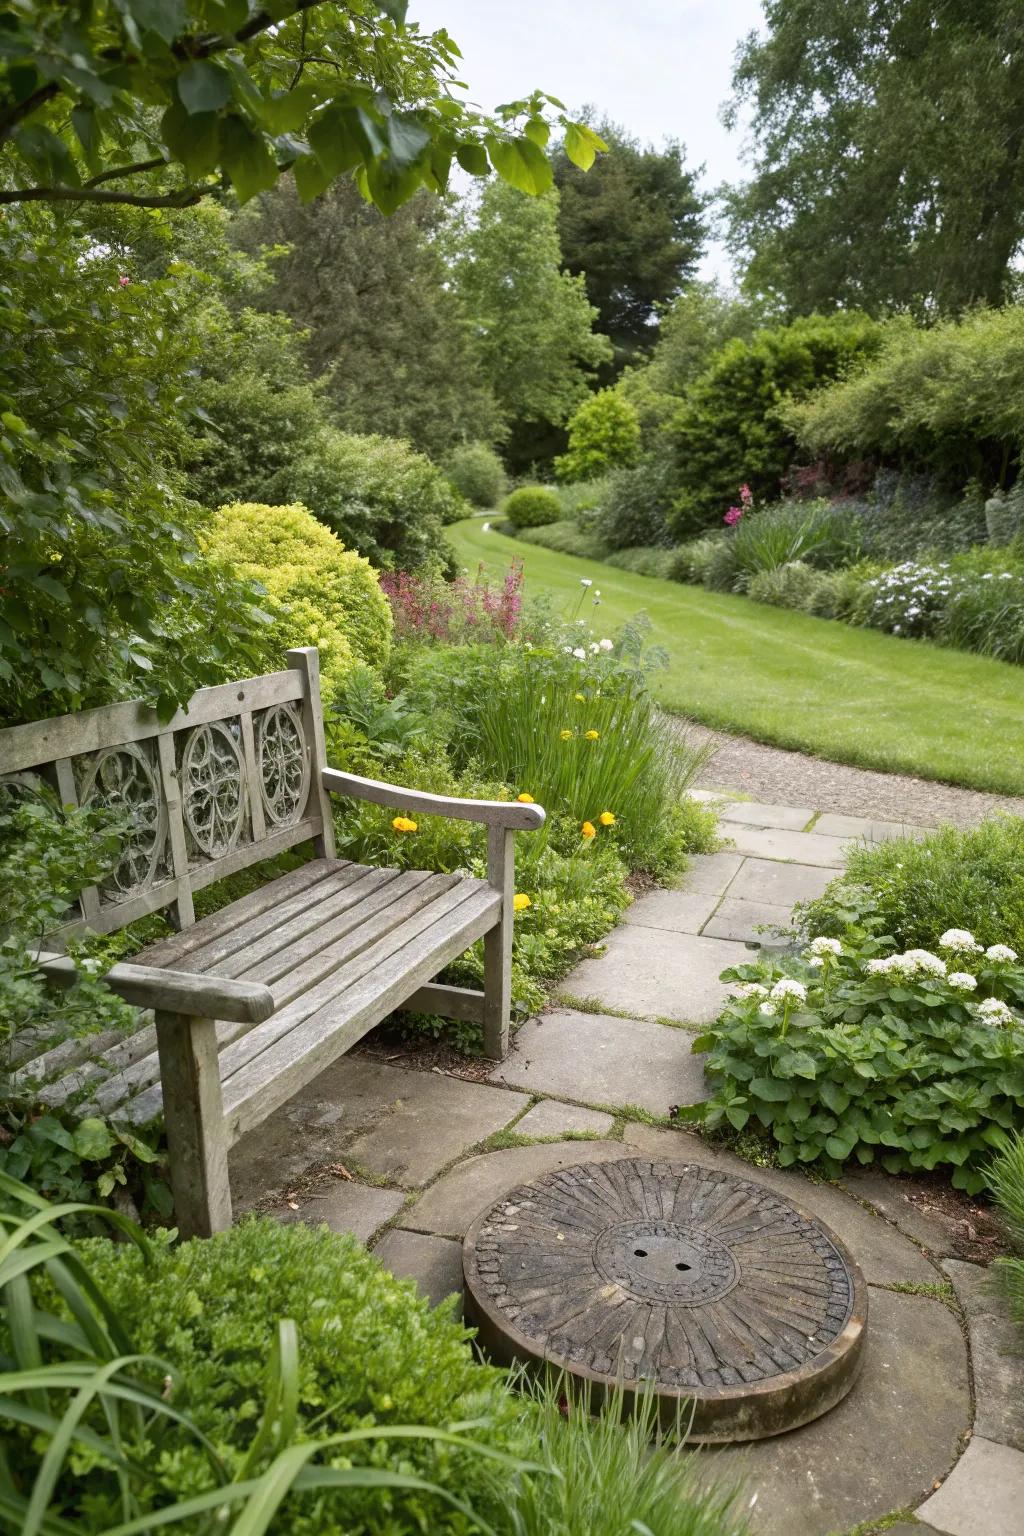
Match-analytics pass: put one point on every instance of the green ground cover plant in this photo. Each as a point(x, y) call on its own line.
point(855, 1050)
point(795, 680)
point(280, 1374)
point(916, 887)
point(1006, 1181)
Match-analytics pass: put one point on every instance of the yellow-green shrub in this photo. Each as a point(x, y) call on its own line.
point(318, 592)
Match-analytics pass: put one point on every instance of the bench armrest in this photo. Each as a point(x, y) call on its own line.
point(511, 814)
point(148, 986)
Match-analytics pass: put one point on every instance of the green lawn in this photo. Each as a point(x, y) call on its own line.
point(851, 695)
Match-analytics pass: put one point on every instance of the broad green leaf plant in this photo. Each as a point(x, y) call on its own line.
point(157, 103)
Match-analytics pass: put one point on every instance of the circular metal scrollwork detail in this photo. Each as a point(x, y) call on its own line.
point(283, 764)
point(213, 789)
point(123, 779)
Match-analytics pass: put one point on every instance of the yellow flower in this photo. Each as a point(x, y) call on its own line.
point(520, 902)
point(588, 829)
point(525, 798)
point(566, 735)
point(581, 698)
point(606, 819)
point(403, 824)
point(592, 735)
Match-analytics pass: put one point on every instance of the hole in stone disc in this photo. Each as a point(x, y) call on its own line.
point(681, 1265)
point(640, 1253)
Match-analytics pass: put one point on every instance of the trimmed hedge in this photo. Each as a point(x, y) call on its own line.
point(532, 506)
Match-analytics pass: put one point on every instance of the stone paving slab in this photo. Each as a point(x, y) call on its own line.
point(549, 1118)
point(795, 847)
point(784, 818)
point(779, 884)
point(679, 911)
point(983, 1495)
point(435, 1263)
point(346, 1207)
point(451, 1205)
point(881, 1448)
point(872, 830)
point(997, 1353)
point(425, 1120)
point(600, 1059)
point(660, 975)
point(885, 1255)
point(884, 1194)
point(710, 872)
point(743, 920)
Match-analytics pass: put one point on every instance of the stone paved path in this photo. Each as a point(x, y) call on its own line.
point(931, 1439)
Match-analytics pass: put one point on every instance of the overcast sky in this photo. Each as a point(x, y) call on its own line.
point(660, 67)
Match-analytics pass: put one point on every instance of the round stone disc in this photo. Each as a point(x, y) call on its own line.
point(728, 1302)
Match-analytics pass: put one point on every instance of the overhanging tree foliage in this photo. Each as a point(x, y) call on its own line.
point(889, 154)
point(157, 102)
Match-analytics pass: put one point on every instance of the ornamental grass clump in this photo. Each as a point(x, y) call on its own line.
point(1006, 1181)
point(856, 1051)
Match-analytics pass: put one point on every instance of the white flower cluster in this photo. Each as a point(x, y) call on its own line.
point(786, 988)
point(995, 1013)
point(915, 962)
point(908, 596)
point(962, 981)
point(823, 947)
point(744, 989)
point(960, 941)
point(1000, 952)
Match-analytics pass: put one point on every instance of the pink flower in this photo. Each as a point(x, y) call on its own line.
point(746, 495)
point(124, 281)
point(733, 515)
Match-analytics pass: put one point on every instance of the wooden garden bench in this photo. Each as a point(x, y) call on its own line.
point(252, 1002)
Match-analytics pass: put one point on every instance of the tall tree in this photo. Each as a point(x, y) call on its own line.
point(634, 226)
point(889, 153)
point(533, 321)
point(384, 329)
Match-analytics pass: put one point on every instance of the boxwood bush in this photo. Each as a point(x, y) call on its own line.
point(532, 506)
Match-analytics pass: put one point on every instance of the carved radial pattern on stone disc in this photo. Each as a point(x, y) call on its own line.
point(667, 1271)
point(125, 779)
point(213, 789)
point(283, 764)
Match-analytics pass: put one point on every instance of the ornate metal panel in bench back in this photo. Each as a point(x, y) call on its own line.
point(232, 778)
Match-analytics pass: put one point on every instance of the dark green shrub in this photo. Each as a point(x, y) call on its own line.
point(371, 1353)
point(581, 502)
point(478, 474)
point(380, 497)
point(532, 506)
point(728, 431)
point(919, 888)
point(635, 504)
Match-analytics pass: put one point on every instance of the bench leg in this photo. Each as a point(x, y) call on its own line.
point(194, 1118)
point(498, 944)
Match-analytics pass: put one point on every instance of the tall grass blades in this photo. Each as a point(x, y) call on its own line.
point(615, 1475)
point(1006, 1179)
point(812, 531)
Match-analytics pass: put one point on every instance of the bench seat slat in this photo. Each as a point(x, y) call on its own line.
point(275, 948)
point(175, 951)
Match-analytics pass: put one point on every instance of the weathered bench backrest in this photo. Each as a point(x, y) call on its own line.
point(232, 778)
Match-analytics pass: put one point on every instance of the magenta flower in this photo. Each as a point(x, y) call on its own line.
point(746, 495)
point(733, 515)
point(124, 281)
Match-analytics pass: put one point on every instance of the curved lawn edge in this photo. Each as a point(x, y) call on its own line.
point(813, 685)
